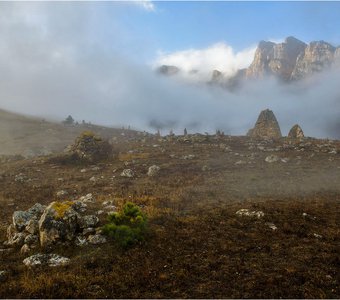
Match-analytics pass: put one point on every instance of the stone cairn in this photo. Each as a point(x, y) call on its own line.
point(266, 126)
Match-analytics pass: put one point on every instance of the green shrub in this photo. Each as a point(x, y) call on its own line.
point(126, 227)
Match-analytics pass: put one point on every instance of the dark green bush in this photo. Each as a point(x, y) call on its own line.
point(126, 227)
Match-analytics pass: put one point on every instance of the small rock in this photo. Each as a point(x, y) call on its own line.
point(272, 158)
point(127, 173)
point(83, 171)
point(100, 212)
point(318, 236)
point(189, 156)
point(249, 213)
point(271, 226)
point(93, 179)
point(3, 276)
point(153, 170)
point(62, 193)
point(96, 239)
point(88, 198)
point(52, 260)
point(240, 162)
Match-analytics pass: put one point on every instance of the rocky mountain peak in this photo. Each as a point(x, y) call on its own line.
point(317, 56)
point(275, 59)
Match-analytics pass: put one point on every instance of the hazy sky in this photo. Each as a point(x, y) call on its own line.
point(94, 60)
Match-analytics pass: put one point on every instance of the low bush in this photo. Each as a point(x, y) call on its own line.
point(126, 227)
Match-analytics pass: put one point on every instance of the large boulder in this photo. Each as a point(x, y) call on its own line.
point(89, 147)
point(59, 222)
point(266, 126)
point(296, 132)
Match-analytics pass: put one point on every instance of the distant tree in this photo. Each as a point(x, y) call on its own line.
point(185, 131)
point(69, 120)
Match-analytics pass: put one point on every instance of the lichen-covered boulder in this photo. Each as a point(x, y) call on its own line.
point(59, 222)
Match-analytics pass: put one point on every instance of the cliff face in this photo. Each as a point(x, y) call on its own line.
point(316, 57)
point(276, 59)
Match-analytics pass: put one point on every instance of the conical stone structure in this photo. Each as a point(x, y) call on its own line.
point(266, 126)
point(296, 132)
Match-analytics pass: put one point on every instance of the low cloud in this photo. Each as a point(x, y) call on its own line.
point(50, 67)
point(198, 64)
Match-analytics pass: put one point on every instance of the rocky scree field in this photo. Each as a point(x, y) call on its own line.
point(228, 217)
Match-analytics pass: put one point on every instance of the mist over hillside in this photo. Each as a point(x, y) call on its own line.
point(55, 70)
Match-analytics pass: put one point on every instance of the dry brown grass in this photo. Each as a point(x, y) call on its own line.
point(196, 246)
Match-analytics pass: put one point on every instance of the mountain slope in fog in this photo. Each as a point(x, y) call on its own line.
point(30, 136)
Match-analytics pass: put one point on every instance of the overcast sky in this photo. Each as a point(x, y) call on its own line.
point(94, 60)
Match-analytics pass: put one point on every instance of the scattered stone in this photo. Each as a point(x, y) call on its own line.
point(21, 178)
point(93, 179)
point(189, 156)
point(83, 171)
point(96, 239)
point(318, 236)
point(206, 168)
point(240, 162)
point(153, 170)
point(62, 193)
point(249, 213)
point(296, 132)
point(3, 276)
point(87, 199)
point(100, 212)
point(272, 158)
point(127, 173)
point(52, 260)
point(266, 126)
point(271, 225)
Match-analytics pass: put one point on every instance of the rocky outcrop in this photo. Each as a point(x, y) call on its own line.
point(266, 126)
point(316, 57)
point(296, 132)
point(275, 59)
point(168, 70)
point(59, 222)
